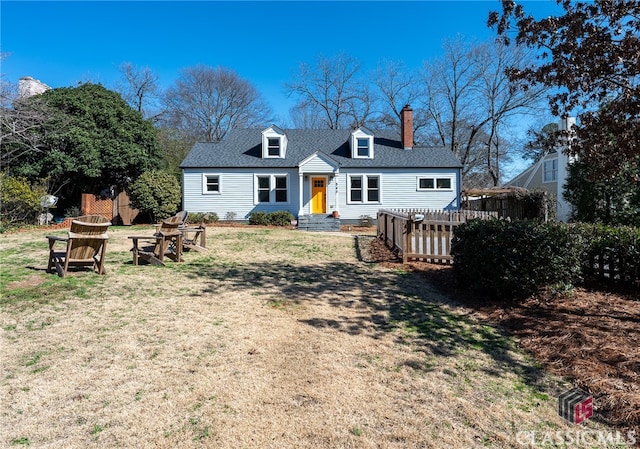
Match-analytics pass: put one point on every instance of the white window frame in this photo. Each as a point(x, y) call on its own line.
point(272, 188)
point(205, 183)
point(357, 135)
point(276, 189)
point(270, 147)
point(552, 174)
point(366, 147)
point(274, 133)
point(434, 179)
point(364, 188)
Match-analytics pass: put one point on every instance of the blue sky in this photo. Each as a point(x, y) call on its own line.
point(68, 42)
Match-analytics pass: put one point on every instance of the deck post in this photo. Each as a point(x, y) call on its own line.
point(408, 227)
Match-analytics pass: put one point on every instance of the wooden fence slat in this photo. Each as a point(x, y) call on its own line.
point(428, 239)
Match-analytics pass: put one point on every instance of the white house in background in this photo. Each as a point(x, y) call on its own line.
point(28, 87)
point(314, 172)
point(549, 173)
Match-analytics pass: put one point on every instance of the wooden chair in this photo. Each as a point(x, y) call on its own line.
point(86, 245)
point(193, 237)
point(180, 217)
point(166, 242)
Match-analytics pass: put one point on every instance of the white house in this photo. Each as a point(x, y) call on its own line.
point(549, 173)
point(28, 87)
point(311, 171)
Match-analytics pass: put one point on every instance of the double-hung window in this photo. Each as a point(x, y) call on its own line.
point(273, 146)
point(373, 189)
point(364, 188)
point(271, 189)
point(355, 189)
point(363, 147)
point(550, 170)
point(274, 143)
point(263, 189)
point(361, 143)
point(280, 189)
point(210, 184)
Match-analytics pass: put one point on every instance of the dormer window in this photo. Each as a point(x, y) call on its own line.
point(274, 143)
point(363, 147)
point(362, 144)
point(273, 146)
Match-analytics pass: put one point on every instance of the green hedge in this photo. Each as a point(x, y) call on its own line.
point(203, 217)
point(513, 260)
point(277, 218)
point(612, 254)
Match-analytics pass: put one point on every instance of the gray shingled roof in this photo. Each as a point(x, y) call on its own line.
point(242, 148)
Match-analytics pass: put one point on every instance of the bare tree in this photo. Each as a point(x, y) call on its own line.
point(332, 90)
point(397, 87)
point(139, 87)
point(502, 98)
point(207, 102)
point(451, 101)
point(471, 103)
point(22, 128)
point(306, 117)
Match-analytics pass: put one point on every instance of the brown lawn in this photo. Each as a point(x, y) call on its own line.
point(589, 336)
point(273, 339)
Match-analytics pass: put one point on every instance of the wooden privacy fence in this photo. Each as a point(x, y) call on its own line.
point(118, 210)
point(423, 234)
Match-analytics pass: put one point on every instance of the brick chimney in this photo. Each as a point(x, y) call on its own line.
point(406, 127)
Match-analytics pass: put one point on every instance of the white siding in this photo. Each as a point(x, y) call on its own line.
point(398, 189)
point(317, 165)
point(236, 192)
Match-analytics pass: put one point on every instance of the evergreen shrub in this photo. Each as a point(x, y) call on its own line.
point(259, 218)
point(277, 218)
point(280, 218)
point(19, 201)
point(512, 260)
point(157, 193)
point(612, 254)
point(203, 217)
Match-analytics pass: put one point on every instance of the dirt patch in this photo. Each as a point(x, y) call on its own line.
point(591, 337)
point(33, 281)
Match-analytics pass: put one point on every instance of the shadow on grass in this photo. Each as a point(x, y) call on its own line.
point(381, 302)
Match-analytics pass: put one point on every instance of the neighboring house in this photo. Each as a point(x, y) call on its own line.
point(309, 171)
point(550, 174)
point(28, 87)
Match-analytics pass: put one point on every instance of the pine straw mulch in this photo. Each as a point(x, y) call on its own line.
point(589, 336)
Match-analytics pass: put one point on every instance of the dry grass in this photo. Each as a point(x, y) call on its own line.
point(273, 339)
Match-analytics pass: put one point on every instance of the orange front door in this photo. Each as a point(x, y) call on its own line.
point(318, 195)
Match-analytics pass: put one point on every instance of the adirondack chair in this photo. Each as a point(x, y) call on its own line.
point(181, 217)
point(166, 242)
point(193, 237)
point(86, 245)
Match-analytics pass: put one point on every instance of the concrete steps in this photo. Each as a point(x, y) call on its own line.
point(318, 222)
